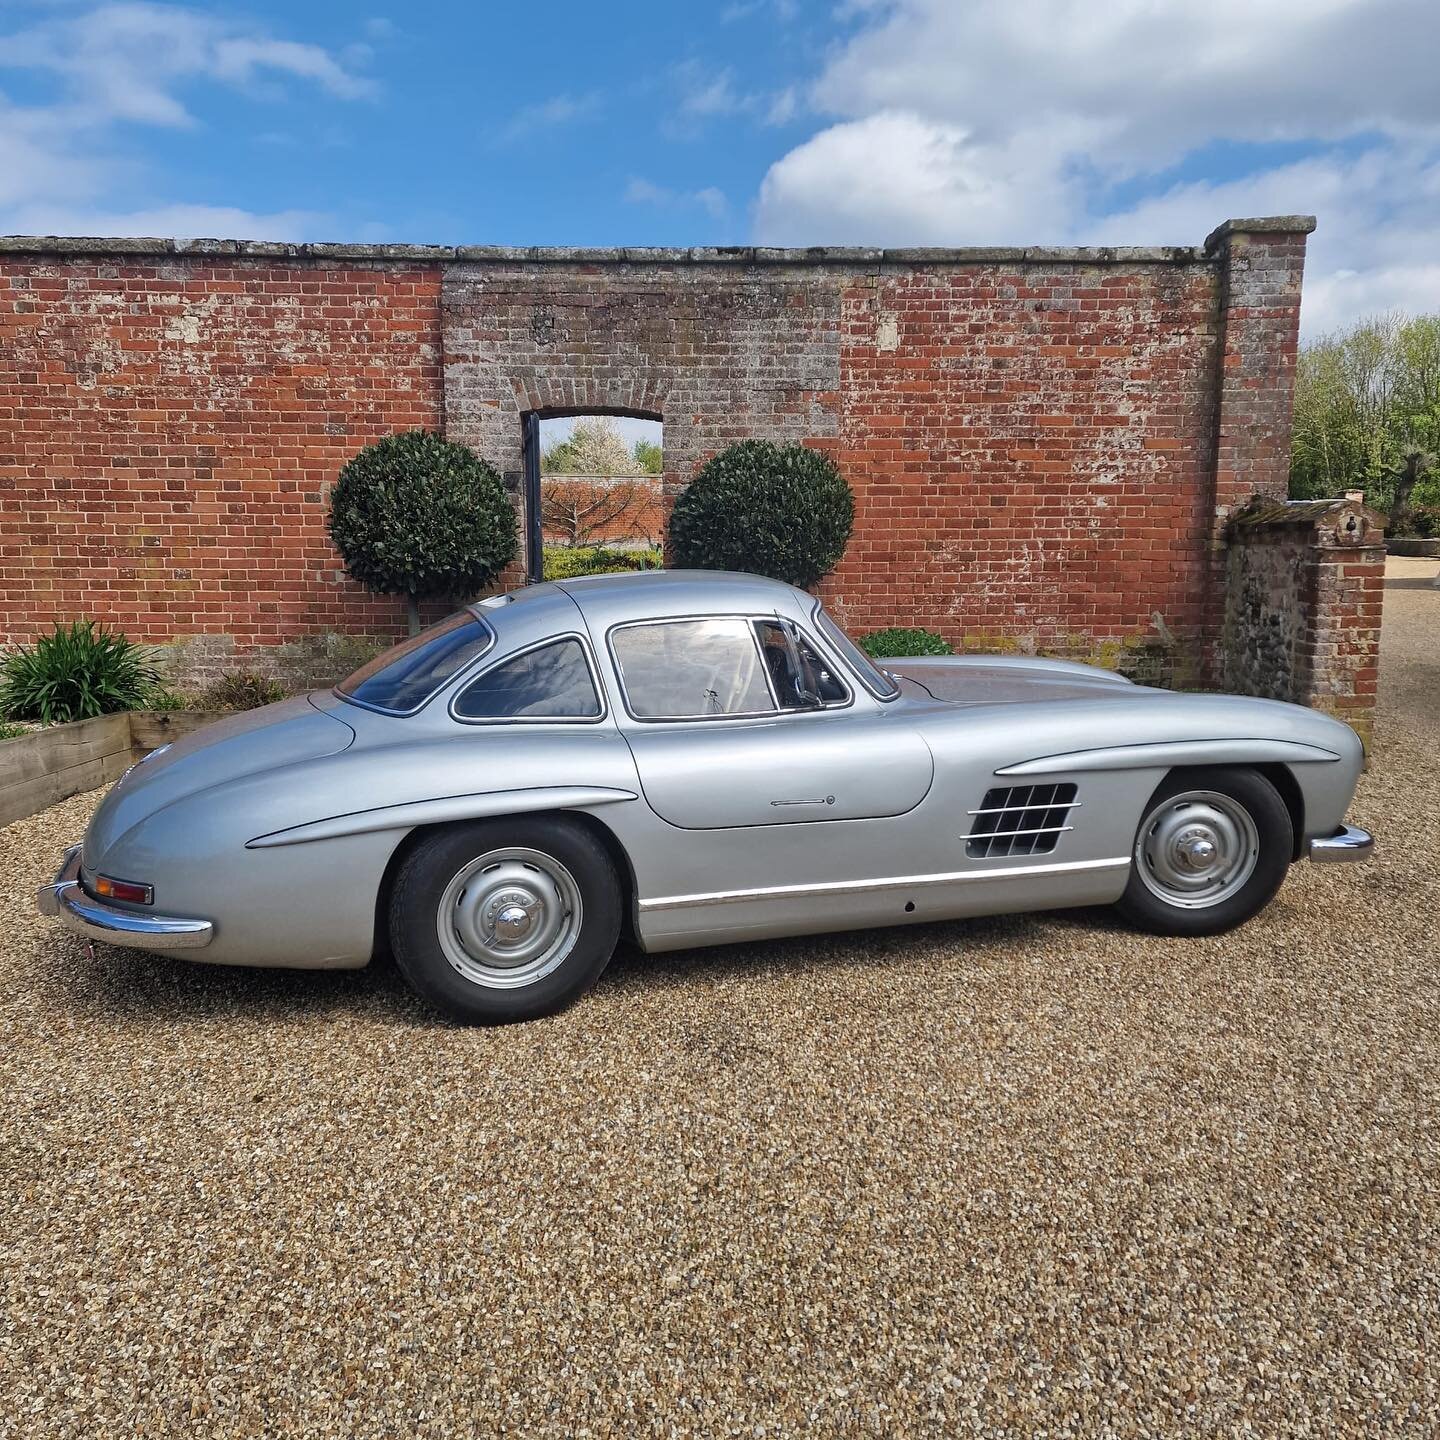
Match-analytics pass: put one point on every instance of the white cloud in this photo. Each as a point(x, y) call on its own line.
point(639, 191)
point(557, 110)
point(124, 64)
point(894, 178)
point(997, 122)
point(189, 221)
point(709, 95)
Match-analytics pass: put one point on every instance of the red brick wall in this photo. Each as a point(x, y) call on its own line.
point(168, 431)
point(1041, 443)
point(1030, 447)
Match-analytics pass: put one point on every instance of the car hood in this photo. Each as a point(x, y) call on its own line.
point(1004, 679)
point(243, 744)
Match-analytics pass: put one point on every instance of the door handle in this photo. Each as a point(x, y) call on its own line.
point(824, 800)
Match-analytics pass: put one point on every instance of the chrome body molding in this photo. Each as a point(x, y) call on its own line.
point(1166, 754)
point(1349, 842)
point(65, 900)
point(444, 810)
point(868, 887)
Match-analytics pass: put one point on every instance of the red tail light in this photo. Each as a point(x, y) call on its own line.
point(124, 890)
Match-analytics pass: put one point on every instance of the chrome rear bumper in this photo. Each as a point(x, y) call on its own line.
point(1347, 843)
point(66, 901)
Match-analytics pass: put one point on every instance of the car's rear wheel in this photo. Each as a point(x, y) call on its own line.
point(502, 920)
point(1210, 852)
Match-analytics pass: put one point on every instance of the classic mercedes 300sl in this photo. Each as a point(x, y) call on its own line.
point(690, 758)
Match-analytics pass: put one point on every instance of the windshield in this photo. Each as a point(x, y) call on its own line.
point(401, 680)
point(876, 680)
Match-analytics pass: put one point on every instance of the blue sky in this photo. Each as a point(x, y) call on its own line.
point(767, 121)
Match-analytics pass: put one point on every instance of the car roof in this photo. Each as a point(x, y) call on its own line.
point(607, 600)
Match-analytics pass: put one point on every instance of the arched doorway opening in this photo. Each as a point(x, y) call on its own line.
point(593, 491)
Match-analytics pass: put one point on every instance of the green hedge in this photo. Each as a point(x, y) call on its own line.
point(902, 642)
point(566, 562)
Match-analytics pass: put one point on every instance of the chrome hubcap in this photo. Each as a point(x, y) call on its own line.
point(1197, 849)
point(509, 918)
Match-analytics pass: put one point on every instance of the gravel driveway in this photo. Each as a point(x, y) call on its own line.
point(1022, 1176)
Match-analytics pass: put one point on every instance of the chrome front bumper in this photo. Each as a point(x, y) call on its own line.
point(66, 901)
point(1347, 843)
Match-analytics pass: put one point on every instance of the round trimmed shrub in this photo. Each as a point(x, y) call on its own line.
point(420, 516)
point(897, 642)
point(779, 510)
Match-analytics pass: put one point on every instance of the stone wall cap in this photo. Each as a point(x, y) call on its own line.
point(1259, 225)
point(852, 255)
point(1263, 514)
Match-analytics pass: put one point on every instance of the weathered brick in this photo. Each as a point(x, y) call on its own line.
point(1043, 444)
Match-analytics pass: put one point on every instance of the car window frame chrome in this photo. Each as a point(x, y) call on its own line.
point(802, 633)
point(496, 661)
point(475, 660)
point(889, 699)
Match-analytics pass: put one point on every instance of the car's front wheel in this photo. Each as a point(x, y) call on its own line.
point(500, 920)
point(1210, 852)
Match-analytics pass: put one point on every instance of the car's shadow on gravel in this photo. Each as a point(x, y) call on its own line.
point(796, 956)
point(136, 987)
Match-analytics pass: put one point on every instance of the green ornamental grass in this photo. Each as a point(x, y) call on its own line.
point(75, 673)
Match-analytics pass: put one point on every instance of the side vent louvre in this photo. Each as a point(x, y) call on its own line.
point(1021, 820)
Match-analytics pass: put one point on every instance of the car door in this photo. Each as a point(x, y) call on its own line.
point(718, 745)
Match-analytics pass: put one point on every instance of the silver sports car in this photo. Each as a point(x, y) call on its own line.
point(690, 758)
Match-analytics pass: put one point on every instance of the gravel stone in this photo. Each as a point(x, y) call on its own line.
point(1036, 1175)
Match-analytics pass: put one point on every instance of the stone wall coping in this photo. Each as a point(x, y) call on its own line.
point(1258, 225)
point(1263, 514)
point(62, 246)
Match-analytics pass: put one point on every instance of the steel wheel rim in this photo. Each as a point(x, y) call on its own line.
point(509, 918)
point(1197, 849)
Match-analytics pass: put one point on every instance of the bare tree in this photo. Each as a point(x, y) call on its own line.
point(576, 510)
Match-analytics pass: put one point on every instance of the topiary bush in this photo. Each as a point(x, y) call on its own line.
point(241, 690)
point(75, 673)
point(779, 510)
point(419, 516)
point(897, 642)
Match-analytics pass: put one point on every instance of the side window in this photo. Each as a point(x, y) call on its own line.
point(690, 669)
point(553, 682)
point(798, 674)
point(876, 680)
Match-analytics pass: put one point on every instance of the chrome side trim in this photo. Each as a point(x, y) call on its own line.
point(1174, 752)
point(67, 902)
point(1011, 809)
point(1349, 842)
point(442, 810)
point(860, 887)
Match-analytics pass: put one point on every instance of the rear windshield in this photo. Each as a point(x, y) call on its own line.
point(403, 679)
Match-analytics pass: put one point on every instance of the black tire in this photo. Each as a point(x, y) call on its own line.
point(441, 857)
point(1165, 830)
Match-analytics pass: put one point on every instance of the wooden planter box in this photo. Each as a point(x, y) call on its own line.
point(47, 766)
